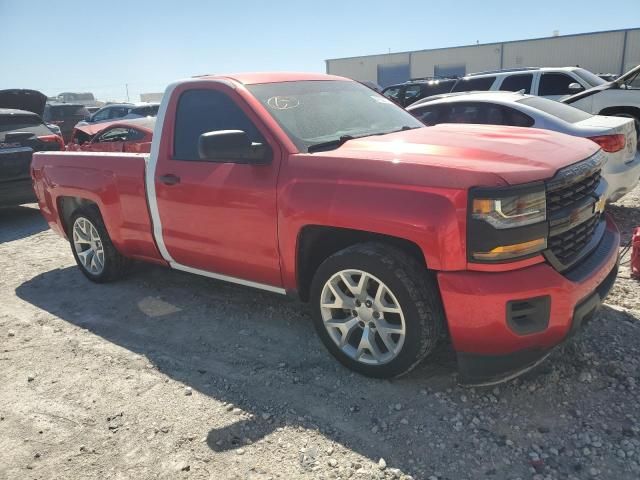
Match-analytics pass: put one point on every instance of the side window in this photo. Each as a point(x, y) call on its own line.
point(466, 113)
point(102, 115)
point(134, 135)
point(146, 111)
point(485, 113)
point(515, 83)
point(201, 111)
point(517, 119)
point(411, 94)
point(471, 84)
point(393, 93)
point(555, 84)
point(428, 115)
point(118, 112)
point(114, 135)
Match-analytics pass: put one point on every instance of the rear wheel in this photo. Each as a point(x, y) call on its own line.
point(376, 309)
point(92, 248)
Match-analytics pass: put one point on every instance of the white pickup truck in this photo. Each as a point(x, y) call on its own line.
point(618, 98)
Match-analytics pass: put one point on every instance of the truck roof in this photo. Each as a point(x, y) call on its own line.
point(250, 78)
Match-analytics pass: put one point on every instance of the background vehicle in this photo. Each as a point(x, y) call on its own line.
point(65, 116)
point(314, 185)
point(120, 136)
point(615, 135)
point(83, 98)
point(551, 82)
point(21, 133)
point(143, 110)
point(620, 97)
point(409, 92)
point(116, 111)
point(608, 77)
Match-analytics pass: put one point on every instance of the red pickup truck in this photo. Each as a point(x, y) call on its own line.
point(399, 235)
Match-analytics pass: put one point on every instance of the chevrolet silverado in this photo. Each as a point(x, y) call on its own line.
point(398, 235)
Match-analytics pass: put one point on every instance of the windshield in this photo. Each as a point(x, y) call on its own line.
point(563, 112)
point(319, 111)
point(589, 77)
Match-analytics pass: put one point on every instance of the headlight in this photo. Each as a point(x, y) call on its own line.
point(507, 223)
point(512, 211)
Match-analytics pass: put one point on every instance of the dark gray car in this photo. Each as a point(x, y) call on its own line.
point(22, 132)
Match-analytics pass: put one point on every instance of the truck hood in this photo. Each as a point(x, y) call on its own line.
point(617, 83)
point(588, 92)
point(517, 155)
point(21, 99)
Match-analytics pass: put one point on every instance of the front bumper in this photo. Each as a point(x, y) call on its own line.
point(621, 177)
point(489, 349)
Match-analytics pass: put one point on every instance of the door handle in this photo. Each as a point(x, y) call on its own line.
point(169, 179)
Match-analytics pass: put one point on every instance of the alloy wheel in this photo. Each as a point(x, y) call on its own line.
point(88, 246)
point(363, 317)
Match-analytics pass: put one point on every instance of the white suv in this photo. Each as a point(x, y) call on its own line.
point(574, 86)
point(551, 82)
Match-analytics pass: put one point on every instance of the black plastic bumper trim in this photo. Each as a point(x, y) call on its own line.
point(476, 369)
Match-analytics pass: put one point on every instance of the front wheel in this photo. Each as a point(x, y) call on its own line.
point(92, 248)
point(376, 309)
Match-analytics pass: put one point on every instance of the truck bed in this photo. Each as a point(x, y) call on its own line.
point(113, 181)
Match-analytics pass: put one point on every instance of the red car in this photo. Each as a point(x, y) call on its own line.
point(397, 234)
point(132, 136)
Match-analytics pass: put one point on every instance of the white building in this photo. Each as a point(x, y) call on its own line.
point(614, 51)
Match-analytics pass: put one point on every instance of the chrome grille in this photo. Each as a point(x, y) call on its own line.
point(568, 245)
point(571, 194)
point(573, 221)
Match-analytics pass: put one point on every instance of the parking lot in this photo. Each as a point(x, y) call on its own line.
point(169, 375)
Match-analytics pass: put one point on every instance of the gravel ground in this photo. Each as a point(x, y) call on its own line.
point(167, 375)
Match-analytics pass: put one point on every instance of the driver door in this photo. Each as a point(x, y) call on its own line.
point(218, 216)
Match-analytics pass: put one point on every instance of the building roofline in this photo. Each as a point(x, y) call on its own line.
point(481, 44)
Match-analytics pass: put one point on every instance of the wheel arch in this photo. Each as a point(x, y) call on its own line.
point(630, 110)
point(317, 242)
point(67, 205)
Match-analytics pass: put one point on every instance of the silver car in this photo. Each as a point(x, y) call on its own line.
point(615, 135)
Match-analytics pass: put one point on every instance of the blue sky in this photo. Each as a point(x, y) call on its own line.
point(87, 45)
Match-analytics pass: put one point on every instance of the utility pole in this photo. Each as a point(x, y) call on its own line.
point(126, 85)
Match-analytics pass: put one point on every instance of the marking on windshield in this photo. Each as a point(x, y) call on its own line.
point(283, 103)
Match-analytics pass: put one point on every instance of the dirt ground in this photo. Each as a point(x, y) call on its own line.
point(168, 375)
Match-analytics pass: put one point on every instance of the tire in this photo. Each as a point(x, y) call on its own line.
point(113, 264)
point(409, 286)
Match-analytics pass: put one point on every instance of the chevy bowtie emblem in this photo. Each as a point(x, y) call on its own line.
point(598, 207)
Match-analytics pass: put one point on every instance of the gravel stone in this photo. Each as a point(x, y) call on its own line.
point(273, 404)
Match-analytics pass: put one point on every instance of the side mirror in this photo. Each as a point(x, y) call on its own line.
point(575, 87)
point(232, 146)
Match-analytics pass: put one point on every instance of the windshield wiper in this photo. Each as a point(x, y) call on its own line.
point(316, 147)
point(331, 144)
